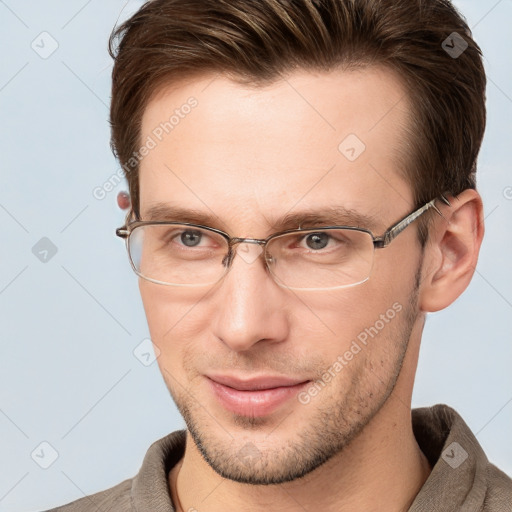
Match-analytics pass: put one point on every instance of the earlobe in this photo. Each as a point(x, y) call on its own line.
point(451, 254)
point(123, 200)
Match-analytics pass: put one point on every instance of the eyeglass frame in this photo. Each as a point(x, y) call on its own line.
point(379, 242)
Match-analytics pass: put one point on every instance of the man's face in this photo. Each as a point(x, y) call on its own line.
point(248, 157)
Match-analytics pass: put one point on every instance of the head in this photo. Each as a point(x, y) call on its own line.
point(242, 113)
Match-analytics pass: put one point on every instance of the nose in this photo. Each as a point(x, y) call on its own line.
point(250, 305)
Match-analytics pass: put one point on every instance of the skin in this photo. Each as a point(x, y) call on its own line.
point(249, 156)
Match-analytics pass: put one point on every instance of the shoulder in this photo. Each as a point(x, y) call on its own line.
point(499, 490)
point(148, 490)
point(115, 499)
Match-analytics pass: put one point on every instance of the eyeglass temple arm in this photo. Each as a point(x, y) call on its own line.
point(397, 228)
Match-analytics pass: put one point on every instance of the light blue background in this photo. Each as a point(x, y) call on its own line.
point(68, 375)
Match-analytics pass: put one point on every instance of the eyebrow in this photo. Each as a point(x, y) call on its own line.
point(324, 216)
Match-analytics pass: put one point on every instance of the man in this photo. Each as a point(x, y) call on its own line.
point(302, 187)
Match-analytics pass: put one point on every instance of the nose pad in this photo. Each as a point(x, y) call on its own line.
point(249, 252)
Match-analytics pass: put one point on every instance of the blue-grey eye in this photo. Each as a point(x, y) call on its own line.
point(191, 238)
point(317, 240)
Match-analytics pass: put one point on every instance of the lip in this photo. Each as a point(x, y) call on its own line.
point(257, 396)
point(255, 383)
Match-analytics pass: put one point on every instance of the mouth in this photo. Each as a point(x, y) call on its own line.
point(254, 397)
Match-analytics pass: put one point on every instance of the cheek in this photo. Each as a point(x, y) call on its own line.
point(158, 307)
point(349, 310)
point(174, 319)
point(361, 315)
point(166, 306)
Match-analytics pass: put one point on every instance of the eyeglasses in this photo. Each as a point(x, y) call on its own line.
point(320, 258)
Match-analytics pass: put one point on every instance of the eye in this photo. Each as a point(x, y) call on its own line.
point(191, 238)
point(182, 238)
point(317, 240)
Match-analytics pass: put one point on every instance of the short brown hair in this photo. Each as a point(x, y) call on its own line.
point(254, 41)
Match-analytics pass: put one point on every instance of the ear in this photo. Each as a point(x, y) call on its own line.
point(123, 200)
point(451, 253)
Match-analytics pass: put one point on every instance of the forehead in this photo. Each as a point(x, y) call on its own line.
point(307, 140)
